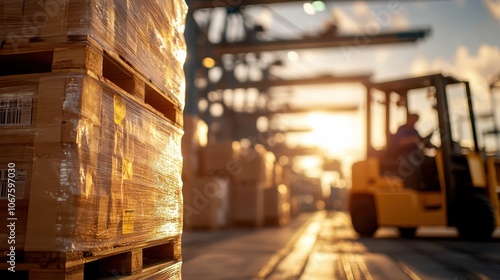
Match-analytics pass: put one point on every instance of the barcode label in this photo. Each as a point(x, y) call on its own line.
point(20, 181)
point(16, 111)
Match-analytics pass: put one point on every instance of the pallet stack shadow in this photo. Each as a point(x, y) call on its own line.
point(226, 185)
point(91, 116)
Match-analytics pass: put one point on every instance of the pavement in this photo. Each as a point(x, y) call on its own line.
point(323, 246)
point(242, 253)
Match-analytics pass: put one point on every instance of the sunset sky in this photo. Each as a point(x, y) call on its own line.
point(464, 42)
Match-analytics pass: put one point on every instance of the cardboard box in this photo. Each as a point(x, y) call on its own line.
point(148, 34)
point(206, 203)
point(277, 207)
point(221, 157)
point(256, 165)
point(194, 139)
point(105, 170)
point(48, 108)
point(247, 205)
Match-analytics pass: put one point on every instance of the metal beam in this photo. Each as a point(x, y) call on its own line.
point(303, 110)
point(267, 83)
point(318, 109)
point(350, 43)
point(293, 130)
point(299, 151)
point(208, 4)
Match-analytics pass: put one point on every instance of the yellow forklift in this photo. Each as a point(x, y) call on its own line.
point(449, 181)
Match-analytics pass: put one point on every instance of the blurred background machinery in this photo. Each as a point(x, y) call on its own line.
point(236, 88)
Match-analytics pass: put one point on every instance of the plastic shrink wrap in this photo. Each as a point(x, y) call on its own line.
point(148, 34)
point(95, 168)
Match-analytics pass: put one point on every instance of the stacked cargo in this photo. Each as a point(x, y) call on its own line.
point(206, 203)
point(288, 176)
point(91, 127)
point(206, 192)
point(226, 185)
point(277, 199)
point(247, 194)
point(193, 141)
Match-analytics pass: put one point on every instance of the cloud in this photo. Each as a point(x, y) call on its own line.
point(423, 66)
point(481, 66)
point(494, 7)
point(345, 22)
point(399, 21)
point(361, 9)
point(477, 68)
point(363, 19)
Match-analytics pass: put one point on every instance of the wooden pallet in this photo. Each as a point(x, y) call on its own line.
point(147, 33)
point(138, 261)
point(106, 66)
point(130, 157)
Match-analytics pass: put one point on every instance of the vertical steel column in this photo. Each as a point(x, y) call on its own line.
point(369, 148)
point(471, 116)
point(446, 147)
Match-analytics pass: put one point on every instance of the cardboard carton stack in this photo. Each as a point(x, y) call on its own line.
point(193, 141)
point(220, 158)
point(91, 118)
point(206, 203)
point(277, 199)
point(277, 205)
point(255, 175)
point(288, 177)
point(206, 192)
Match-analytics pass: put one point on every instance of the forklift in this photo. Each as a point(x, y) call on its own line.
point(461, 187)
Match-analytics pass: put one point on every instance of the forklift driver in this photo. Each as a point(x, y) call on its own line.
point(417, 170)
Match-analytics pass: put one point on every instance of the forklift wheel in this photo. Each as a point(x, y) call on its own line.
point(363, 214)
point(476, 218)
point(407, 232)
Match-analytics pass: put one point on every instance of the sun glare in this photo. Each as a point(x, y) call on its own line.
point(334, 133)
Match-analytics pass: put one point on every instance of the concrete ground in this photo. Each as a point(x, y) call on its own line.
point(324, 246)
point(240, 253)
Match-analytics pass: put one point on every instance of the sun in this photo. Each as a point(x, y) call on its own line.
point(338, 134)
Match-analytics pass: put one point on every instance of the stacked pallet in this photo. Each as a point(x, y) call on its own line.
point(288, 176)
point(146, 34)
point(206, 192)
point(91, 127)
point(220, 158)
point(229, 185)
point(193, 141)
point(206, 204)
point(277, 199)
point(255, 175)
point(277, 205)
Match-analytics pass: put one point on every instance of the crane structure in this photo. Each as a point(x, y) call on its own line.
point(227, 53)
point(208, 4)
point(317, 42)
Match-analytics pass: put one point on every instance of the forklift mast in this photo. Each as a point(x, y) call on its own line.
point(453, 161)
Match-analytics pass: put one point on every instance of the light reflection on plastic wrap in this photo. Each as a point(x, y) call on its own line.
point(116, 164)
point(169, 198)
point(155, 29)
point(149, 34)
